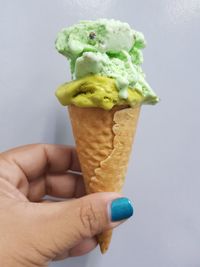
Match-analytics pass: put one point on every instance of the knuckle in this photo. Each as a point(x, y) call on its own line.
point(90, 220)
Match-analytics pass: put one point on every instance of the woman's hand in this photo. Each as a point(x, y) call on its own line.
point(34, 231)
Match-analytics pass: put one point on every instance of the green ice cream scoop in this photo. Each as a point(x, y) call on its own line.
point(109, 49)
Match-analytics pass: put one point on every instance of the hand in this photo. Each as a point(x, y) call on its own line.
point(34, 231)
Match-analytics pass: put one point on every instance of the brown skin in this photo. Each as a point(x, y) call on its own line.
point(34, 231)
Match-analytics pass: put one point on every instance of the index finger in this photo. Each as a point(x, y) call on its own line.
point(35, 160)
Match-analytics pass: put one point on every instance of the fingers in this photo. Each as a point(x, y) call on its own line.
point(67, 185)
point(71, 222)
point(84, 247)
point(35, 160)
point(22, 165)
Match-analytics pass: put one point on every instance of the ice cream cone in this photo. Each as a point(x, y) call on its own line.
point(104, 139)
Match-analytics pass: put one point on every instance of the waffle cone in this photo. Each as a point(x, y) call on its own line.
point(104, 139)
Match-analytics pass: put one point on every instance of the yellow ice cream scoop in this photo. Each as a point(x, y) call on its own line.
point(96, 91)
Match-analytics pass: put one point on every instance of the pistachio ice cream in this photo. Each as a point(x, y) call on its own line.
point(105, 59)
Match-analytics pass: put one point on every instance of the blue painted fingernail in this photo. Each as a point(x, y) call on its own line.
point(121, 208)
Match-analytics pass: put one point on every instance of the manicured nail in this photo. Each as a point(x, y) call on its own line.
point(121, 208)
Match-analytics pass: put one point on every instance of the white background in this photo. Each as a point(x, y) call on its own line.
point(163, 175)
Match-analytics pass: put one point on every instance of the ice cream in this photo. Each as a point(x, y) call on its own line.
point(98, 91)
point(107, 48)
point(104, 97)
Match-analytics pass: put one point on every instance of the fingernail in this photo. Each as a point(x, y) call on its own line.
point(121, 208)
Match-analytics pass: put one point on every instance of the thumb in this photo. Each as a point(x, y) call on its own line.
point(66, 224)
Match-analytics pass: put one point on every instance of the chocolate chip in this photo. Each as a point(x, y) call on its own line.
point(92, 35)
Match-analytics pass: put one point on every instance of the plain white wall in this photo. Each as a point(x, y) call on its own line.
point(163, 175)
